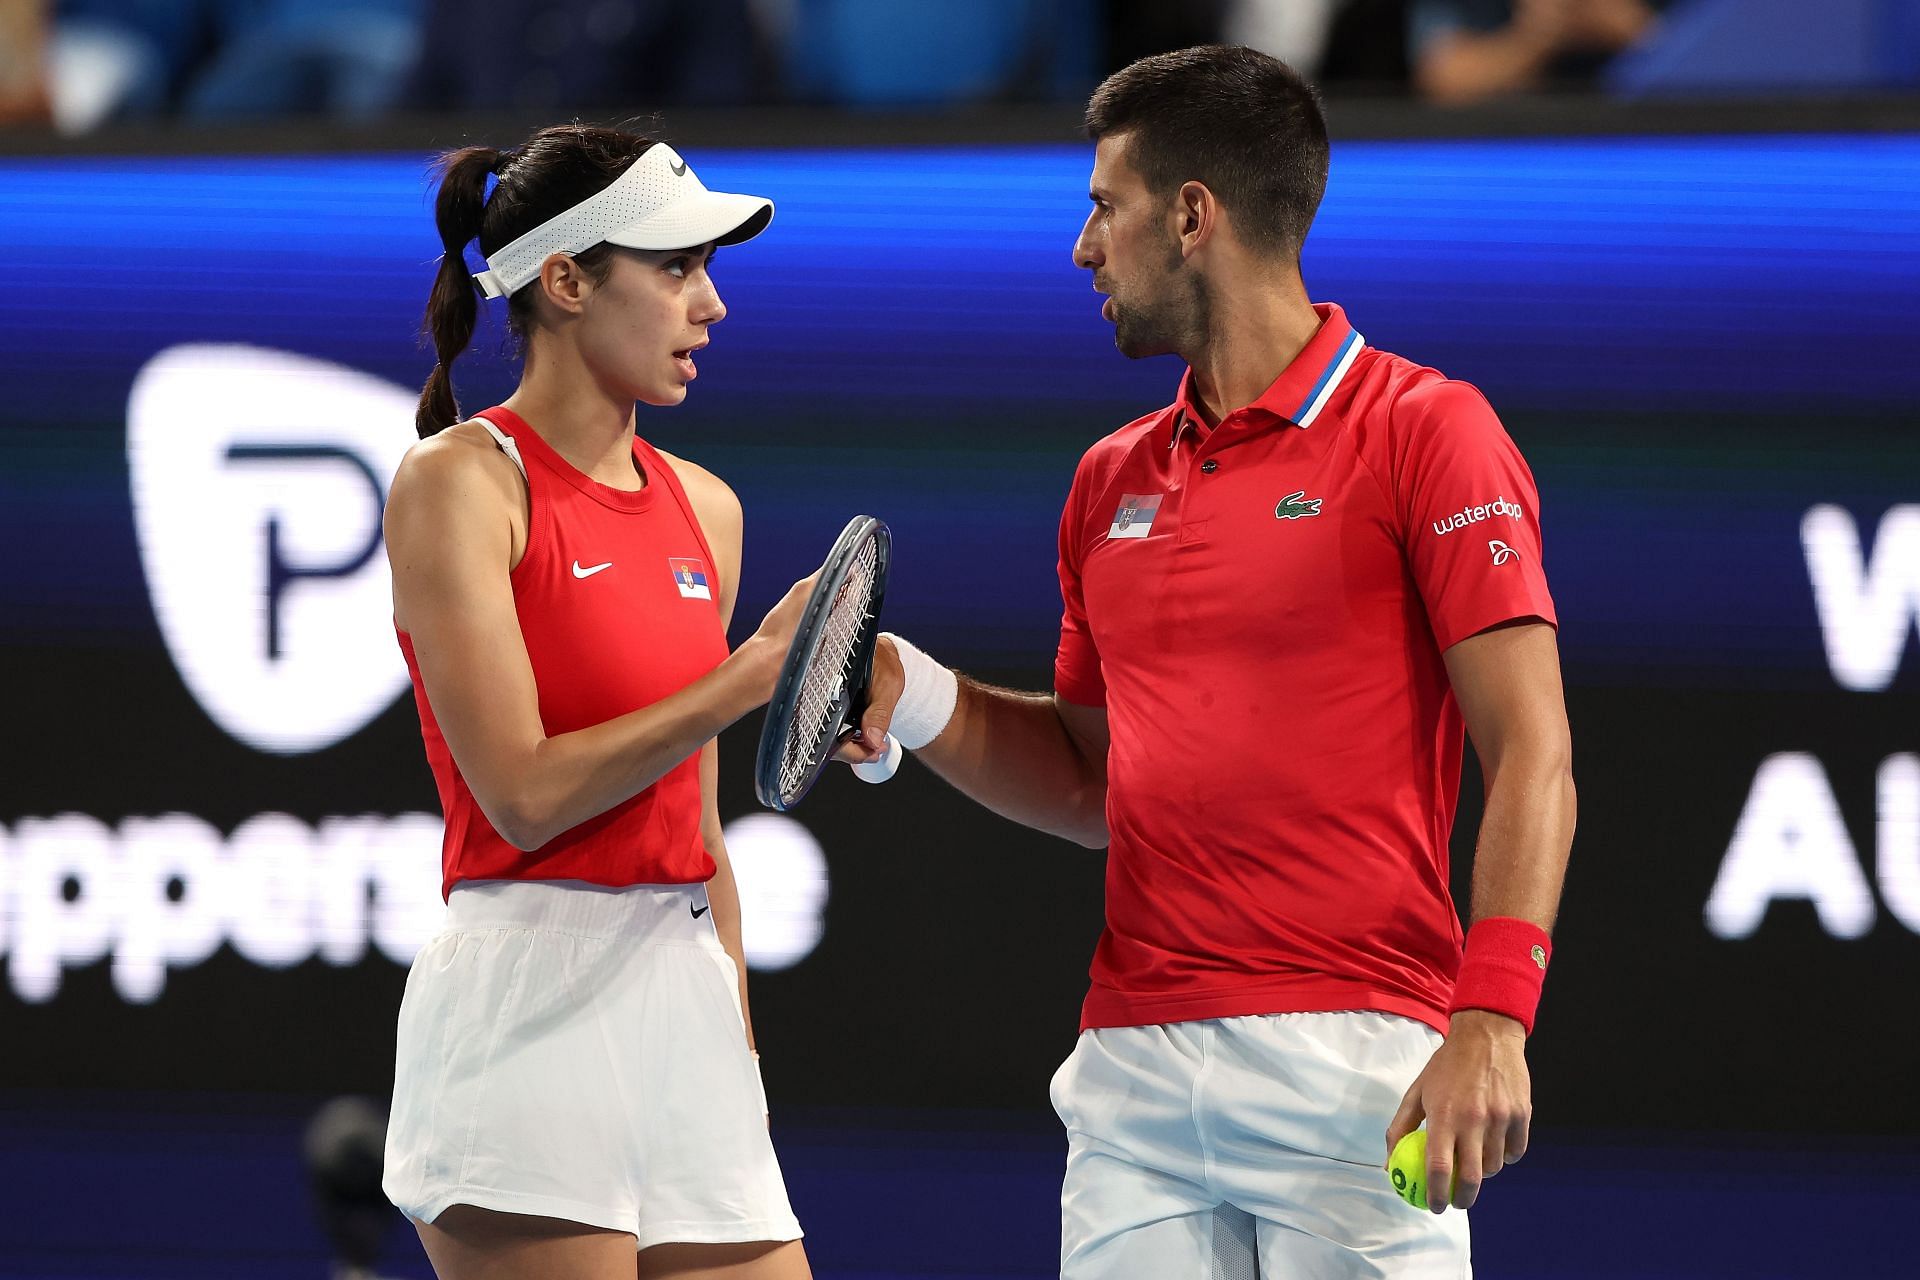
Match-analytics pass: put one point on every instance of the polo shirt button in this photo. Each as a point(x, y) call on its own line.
point(1210, 466)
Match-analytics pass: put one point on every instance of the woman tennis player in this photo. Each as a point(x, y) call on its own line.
point(575, 1079)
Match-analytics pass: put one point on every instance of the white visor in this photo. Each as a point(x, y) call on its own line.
point(657, 203)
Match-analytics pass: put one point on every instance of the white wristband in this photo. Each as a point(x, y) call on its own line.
point(926, 703)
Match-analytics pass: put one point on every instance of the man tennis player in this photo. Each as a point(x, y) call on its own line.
point(1286, 593)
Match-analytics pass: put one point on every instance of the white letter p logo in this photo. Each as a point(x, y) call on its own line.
point(259, 478)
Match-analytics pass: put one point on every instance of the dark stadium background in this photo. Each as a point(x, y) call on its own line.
point(1698, 330)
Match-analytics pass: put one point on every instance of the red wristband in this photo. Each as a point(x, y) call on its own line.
point(1505, 964)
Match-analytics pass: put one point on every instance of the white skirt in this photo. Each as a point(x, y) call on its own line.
point(579, 1052)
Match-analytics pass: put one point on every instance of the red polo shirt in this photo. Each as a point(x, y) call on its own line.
point(1261, 608)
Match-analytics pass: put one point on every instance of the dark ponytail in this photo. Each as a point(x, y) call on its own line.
point(454, 305)
point(553, 171)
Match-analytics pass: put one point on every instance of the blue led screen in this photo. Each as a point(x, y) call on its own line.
point(1749, 274)
point(1706, 348)
point(1663, 323)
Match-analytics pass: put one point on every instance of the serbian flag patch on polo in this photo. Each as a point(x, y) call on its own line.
point(1134, 519)
point(691, 577)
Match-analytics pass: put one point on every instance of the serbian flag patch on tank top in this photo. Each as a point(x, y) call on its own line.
point(690, 576)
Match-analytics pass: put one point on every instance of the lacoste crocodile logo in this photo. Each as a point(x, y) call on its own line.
point(1297, 505)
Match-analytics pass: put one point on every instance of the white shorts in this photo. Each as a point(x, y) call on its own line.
point(578, 1052)
point(1195, 1149)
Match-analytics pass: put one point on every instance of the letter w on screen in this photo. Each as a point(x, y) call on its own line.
point(1868, 603)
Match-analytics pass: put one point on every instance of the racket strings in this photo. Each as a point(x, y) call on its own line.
point(816, 721)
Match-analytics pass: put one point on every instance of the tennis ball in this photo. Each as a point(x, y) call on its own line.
point(1407, 1168)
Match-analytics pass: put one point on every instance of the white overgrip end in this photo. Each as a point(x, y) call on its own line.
point(884, 767)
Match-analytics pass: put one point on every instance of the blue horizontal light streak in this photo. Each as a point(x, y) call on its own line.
point(1743, 272)
point(904, 295)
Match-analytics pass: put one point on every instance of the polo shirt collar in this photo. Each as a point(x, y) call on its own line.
point(1303, 387)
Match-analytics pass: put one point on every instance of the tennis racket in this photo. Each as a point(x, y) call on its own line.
point(822, 689)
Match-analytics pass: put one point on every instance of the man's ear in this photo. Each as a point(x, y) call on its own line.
point(1196, 217)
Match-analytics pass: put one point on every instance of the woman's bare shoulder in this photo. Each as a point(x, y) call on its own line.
point(711, 495)
point(461, 462)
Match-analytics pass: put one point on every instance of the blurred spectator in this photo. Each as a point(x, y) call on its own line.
point(121, 59)
point(346, 58)
point(1294, 31)
point(565, 55)
point(1469, 50)
point(1774, 46)
point(228, 59)
point(879, 53)
point(23, 49)
point(1337, 43)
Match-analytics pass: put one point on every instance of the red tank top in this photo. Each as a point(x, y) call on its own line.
point(618, 601)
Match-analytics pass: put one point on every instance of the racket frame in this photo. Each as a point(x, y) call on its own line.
point(807, 638)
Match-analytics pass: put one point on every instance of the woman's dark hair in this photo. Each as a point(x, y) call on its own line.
point(1245, 124)
point(548, 174)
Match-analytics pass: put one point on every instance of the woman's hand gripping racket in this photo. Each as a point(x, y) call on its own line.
point(822, 688)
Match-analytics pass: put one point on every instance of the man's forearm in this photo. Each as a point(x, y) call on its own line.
point(1011, 752)
point(1520, 861)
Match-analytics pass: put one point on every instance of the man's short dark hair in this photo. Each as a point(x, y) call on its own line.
point(1245, 124)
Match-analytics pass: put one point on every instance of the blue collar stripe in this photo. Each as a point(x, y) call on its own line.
point(1330, 379)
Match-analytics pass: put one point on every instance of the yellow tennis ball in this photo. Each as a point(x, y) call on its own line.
point(1407, 1168)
